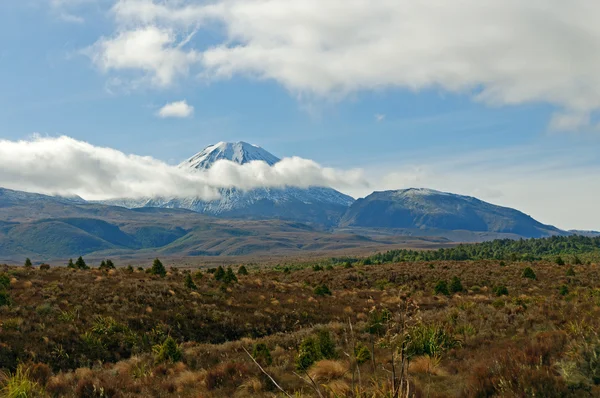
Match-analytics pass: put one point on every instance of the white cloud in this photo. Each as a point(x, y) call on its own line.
point(179, 109)
point(502, 52)
point(379, 117)
point(70, 167)
point(157, 52)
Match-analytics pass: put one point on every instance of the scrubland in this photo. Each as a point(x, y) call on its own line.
point(327, 329)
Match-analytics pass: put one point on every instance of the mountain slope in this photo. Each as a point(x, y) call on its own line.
point(428, 209)
point(316, 205)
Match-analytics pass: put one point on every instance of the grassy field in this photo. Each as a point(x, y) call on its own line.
point(425, 328)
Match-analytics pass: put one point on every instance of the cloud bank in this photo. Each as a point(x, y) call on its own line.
point(66, 166)
point(500, 52)
point(179, 109)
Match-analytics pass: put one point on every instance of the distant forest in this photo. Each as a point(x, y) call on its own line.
point(502, 249)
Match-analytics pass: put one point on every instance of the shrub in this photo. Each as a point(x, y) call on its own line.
point(4, 298)
point(198, 274)
point(129, 269)
point(322, 290)
point(28, 263)
point(501, 290)
point(80, 264)
point(502, 264)
point(455, 285)
point(219, 273)
point(44, 267)
point(563, 290)
point(19, 385)
point(158, 268)
point(70, 264)
point(442, 288)
point(430, 340)
point(4, 281)
point(229, 276)
point(377, 321)
point(242, 270)
point(362, 353)
point(317, 267)
point(577, 260)
point(308, 353)
point(189, 282)
point(570, 272)
point(167, 351)
point(261, 354)
point(560, 261)
point(348, 265)
point(326, 344)
point(529, 273)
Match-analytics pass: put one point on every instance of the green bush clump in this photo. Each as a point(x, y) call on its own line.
point(362, 353)
point(430, 340)
point(189, 282)
point(322, 290)
point(158, 268)
point(219, 273)
point(501, 290)
point(242, 270)
point(28, 263)
point(168, 351)
point(4, 281)
point(442, 288)
point(261, 354)
point(313, 349)
point(529, 273)
point(377, 321)
point(559, 260)
point(456, 285)
point(4, 298)
point(229, 276)
point(570, 272)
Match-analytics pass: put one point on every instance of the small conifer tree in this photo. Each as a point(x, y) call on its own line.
point(529, 273)
point(456, 285)
point(158, 268)
point(70, 264)
point(189, 282)
point(80, 263)
point(28, 263)
point(442, 288)
point(242, 270)
point(219, 273)
point(229, 276)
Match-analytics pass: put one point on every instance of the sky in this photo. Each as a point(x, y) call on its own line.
point(495, 99)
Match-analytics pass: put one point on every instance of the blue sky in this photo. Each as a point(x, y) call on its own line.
point(513, 135)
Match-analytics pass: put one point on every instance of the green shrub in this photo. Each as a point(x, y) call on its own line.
point(362, 353)
point(158, 268)
point(377, 321)
point(430, 340)
point(168, 351)
point(322, 290)
point(129, 268)
point(198, 274)
point(308, 353)
point(261, 354)
point(70, 264)
point(501, 290)
point(442, 288)
point(44, 267)
point(456, 285)
point(577, 260)
point(4, 281)
point(559, 260)
point(529, 273)
point(20, 385)
point(4, 298)
point(317, 267)
point(326, 344)
point(242, 270)
point(348, 265)
point(219, 273)
point(80, 264)
point(229, 276)
point(28, 263)
point(563, 290)
point(189, 282)
point(570, 272)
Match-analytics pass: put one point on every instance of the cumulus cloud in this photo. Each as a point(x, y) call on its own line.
point(159, 53)
point(501, 52)
point(179, 109)
point(66, 166)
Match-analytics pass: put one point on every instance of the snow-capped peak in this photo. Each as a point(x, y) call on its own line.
point(238, 152)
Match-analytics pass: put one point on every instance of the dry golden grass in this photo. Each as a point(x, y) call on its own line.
point(426, 365)
point(326, 370)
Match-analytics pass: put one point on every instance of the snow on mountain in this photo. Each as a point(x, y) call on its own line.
point(238, 152)
point(315, 204)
